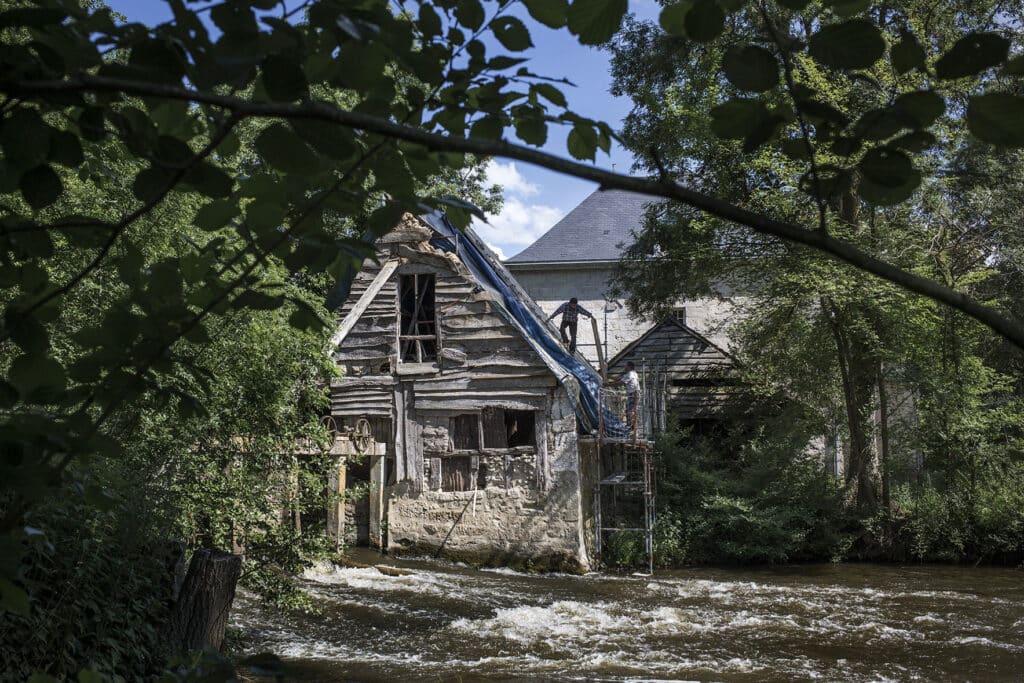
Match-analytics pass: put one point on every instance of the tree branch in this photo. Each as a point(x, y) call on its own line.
point(791, 232)
point(123, 224)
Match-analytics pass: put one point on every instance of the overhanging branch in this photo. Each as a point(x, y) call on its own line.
point(791, 232)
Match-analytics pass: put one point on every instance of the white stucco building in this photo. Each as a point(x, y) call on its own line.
point(577, 257)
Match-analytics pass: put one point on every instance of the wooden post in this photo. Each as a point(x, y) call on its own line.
point(336, 508)
point(600, 350)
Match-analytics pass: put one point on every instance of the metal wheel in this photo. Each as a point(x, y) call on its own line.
point(328, 423)
point(362, 436)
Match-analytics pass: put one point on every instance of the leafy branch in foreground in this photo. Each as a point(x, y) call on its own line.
point(664, 187)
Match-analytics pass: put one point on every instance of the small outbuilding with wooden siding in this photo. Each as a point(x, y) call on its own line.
point(475, 423)
point(685, 376)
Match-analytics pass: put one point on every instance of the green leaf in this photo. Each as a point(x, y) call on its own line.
point(852, 44)
point(764, 131)
point(673, 18)
point(305, 318)
point(550, 93)
point(886, 166)
point(582, 142)
point(907, 55)
point(285, 151)
point(35, 373)
point(40, 186)
point(13, 599)
point(150, 182)
point(41, 678)
point(511, 33)
point(216, 214)
point(531, 130)
point(551, 13)
point(65, 149)
point(924, 106)
point(89, 676)
point(1015, 66)
point(283, 78)
point(795, 5)
point(91, 125)
point(470, 13)
point(996, 118)
point(259, 301)
point(487, 128)
point(796, 149)
point(25, 138)
point(326, 138)
point(887, 176)
point(888, 195)
point(751, 68)
point(209, 180)
point(918, 141)
point(972, 54)
point(705, 21)
point(429, 23)
point(847, 8)
point(34, 17)
point(737, 118)
point(595, 21)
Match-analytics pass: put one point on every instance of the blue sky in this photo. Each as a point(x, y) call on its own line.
point(535, 199)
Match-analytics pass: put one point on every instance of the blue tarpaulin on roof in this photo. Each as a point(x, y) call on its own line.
point(588, 402)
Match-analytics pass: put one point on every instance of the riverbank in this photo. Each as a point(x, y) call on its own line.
point(857, 622)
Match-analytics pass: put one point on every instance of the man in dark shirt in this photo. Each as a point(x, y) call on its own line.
point(570, 315)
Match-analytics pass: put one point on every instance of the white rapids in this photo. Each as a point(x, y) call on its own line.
point(451, 622)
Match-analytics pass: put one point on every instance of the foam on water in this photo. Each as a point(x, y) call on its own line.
point(442, 620)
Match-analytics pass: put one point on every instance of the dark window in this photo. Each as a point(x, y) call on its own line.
point(679, 314)
point(457, 474)
point(505, 428)
point(417, 338)
point(465, 432)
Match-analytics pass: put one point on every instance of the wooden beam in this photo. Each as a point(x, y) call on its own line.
point(600, 350)
point(364, 302)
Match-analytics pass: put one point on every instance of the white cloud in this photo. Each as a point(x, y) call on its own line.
point(510, 179)
point(519, 222)
point(498, 251)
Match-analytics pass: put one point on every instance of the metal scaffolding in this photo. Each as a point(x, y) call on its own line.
point(624, 495)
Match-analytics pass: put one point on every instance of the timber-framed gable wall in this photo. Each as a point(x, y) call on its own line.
point(481, 453)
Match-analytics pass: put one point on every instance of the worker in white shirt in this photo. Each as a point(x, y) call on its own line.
point(631, 381)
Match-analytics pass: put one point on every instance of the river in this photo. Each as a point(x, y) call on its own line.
point(848, 622)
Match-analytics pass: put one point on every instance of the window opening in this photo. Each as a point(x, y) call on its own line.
point(417, 339)
point(505, 428)
point(457, 474)
point(465, 433)
point(679, 314)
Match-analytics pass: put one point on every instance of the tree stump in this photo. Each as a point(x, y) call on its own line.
point(201, 611)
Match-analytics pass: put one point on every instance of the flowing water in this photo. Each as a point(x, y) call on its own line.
point(836, 623)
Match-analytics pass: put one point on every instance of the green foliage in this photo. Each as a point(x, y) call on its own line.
point(747, 494)
point(882, 159)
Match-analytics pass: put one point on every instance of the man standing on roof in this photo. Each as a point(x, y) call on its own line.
point(570, 314)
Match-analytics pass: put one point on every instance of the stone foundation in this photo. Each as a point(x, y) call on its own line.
point(518, 527)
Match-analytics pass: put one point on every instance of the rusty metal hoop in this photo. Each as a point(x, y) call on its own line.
point(362, 435)
point(328, 422)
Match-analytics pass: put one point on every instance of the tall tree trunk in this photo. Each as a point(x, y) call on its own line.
point(858, 388)
point(883, 432)
point(201, 611)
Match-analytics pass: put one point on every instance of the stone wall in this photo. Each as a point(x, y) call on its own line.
point(550, 286)
point(527, 515)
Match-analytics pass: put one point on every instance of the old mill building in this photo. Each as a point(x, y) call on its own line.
point(483, 439)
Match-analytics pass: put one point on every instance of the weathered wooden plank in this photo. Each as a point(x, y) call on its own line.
point(363, 303)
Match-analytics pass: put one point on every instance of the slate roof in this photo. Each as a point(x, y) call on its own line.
point(599, 229)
